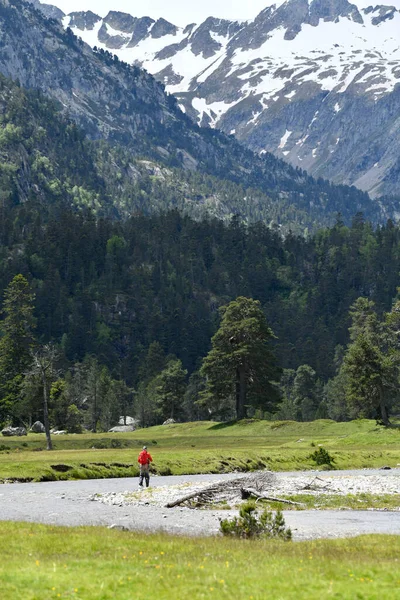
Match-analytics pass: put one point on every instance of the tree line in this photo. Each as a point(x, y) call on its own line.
point(239, 376)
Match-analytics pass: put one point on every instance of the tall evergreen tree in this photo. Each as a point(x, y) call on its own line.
point(371, 363)
point(241, 366)
point(305, 393)
point(96, 386)
point(16, 343)
point(170, 390)
point(288, 407)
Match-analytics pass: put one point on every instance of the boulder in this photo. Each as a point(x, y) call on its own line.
point(128, 421)
point(12, 431)
point(61, 432)
point(38, 427)
point(122, 429)
point(169, 422)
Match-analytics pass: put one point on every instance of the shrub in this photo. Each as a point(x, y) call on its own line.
point(250, 524)
point(100, 445)
point(322, 457)
point(116, 443)
point(165, 470)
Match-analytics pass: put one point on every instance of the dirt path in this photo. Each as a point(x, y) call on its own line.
point(69, 503)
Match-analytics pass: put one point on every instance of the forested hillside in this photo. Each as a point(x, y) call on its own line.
point(115, 256)
point(47, 159)
point(113, 272)
point(111, 289)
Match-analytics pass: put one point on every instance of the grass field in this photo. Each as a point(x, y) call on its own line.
point(46, 563)
point(203, 447)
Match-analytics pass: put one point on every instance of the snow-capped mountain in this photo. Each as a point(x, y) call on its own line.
point(313, 81)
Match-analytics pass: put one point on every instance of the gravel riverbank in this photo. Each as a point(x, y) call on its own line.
point(279, 485)
point(118, 503)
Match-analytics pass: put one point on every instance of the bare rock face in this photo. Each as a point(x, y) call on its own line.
point(49, 11)
point(120, 21)
point(14, 431)
point(38, 427)
point(84, 21)
point(162, 28)
point(140, 31)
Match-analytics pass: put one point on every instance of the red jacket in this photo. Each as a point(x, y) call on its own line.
point(144, 458)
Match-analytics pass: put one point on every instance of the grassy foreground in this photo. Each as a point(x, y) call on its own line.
point(203, 447)
point(45, 563)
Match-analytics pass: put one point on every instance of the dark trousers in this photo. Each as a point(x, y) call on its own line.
point(144, 474)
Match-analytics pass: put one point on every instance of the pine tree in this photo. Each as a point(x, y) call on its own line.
point(240, 367)
point(16, 343)
point(371, 362)
point(170, 389)
point(305, 393)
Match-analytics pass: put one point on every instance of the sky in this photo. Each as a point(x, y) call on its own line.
point(179, 12)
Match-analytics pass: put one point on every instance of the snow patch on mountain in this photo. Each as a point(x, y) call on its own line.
point(321, 69)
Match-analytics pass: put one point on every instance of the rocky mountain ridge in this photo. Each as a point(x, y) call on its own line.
point(126, 107)
point(313, 81)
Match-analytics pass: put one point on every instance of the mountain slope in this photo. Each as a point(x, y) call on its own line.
point(127, 106)
point(47, 165)
point(313, 81)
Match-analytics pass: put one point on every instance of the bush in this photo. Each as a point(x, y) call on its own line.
point(165, 470)
point(322, 457)
point(250, 524)
point(116, 443)
point(100, 445)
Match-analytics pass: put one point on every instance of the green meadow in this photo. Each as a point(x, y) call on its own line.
point(46, 563)
point(89, 563)
point(201, 447)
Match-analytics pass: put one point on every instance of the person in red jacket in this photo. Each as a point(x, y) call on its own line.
point(144, 461)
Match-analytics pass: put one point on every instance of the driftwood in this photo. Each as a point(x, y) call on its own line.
point(247, 492)
point(191, 496)
point(227, 490)
point(313, 485)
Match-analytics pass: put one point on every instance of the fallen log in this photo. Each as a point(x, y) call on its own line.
point(231, 487)
point(247, 492)
point(189, 497)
